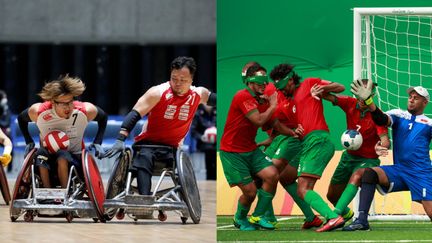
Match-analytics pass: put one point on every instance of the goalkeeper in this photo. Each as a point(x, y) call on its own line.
point(412, 169)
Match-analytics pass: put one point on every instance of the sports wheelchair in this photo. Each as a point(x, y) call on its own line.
point(182, 196)
point(82, 198)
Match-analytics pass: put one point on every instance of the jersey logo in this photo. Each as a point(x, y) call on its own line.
point(249, 105)
point(294, 109)
point(168, 96)
point(47, 117)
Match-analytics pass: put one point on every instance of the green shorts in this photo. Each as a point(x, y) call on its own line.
point(285, 147)
point(348, 164)
point(239, 167)
point(316, 153)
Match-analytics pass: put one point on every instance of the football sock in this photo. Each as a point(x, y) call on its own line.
point(317, 203)
point(305, 208)
point(346, 197)
point(264, 199)
point(269, 213)
point(369, 181)
point(242, 211)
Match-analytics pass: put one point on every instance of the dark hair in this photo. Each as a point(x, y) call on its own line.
point(254, 68)
point(181, 62)
point(282, 70)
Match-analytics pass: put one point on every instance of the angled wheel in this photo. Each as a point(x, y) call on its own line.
point(23, 184)
point(189, 187)
point(117, 180)
point(94, 184)
point(4, 186)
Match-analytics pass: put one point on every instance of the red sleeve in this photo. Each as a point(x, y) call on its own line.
point(345, 102)
point(246, 103)
point(44, 106)
point(381, 130)
point(80, 106)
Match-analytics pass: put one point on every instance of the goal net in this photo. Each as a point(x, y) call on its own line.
point(393, 47)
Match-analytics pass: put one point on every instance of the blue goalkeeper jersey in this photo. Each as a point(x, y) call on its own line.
point(411, 139)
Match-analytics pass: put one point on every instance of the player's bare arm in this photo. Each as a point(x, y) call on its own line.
point(144, 104)
point(333, 87)
point(259, 119)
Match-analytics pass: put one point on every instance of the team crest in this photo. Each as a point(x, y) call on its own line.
point(47, 117)
point(294, 109)
point(168, 96)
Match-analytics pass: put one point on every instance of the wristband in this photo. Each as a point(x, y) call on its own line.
point(369, 100)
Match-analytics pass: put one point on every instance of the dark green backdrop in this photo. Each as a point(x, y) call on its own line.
point(316, 36)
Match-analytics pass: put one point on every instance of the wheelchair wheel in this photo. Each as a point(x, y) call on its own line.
point(117, 180)
point(4, 186)
point(23, 185)
point(94, 183)
point(189, 186)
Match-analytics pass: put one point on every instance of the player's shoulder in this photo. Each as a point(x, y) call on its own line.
point(200, 90)
point(399, 113)
point(41, 107)
point(424, 120)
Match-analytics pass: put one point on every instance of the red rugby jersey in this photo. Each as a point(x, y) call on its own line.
point(170, 119)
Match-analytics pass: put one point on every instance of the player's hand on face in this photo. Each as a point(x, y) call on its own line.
point(380, 150)
point(316, 91)
point(273, 99)
point(360, 91)
point(28, 148)
point(5, 159)
point(117, 147)
point(99, 151)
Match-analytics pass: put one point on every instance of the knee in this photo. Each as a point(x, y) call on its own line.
point(301, 192)
point(369, 176)
point(250, 194)
point(357, 177)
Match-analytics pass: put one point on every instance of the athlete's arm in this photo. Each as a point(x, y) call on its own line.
point(333, 87)
point(282, 129)
point(28, 115)
point(95, 113)
point(207, 97)
point(259, 119)
point(143, 106)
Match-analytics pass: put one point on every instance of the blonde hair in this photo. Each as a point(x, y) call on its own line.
point(65, 85)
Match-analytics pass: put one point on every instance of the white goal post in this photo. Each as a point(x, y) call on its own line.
point(393, 47)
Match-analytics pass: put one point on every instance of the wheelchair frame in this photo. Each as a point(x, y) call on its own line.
point(27, 194)
point(122, 197)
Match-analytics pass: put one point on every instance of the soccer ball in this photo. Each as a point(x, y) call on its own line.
point(56, 140)
point(209, 135)
point(351, 139)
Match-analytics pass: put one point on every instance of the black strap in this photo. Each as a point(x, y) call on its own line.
point(23, 120)
point(101, 118)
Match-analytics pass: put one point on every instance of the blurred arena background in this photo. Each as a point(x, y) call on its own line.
point(118, 48)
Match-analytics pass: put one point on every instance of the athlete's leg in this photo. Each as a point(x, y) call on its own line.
point(427, 205)
point(62, 171)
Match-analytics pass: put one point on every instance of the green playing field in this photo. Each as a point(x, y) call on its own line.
point(289, 230)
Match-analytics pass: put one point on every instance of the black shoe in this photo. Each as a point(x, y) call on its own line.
point(357, 225)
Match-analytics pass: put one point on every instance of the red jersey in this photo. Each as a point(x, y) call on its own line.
point(310, 111)
point(170, 119)
point(369, 130)
point(239, 132)
point(286, 113)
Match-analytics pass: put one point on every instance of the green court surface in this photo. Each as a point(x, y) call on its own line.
point(289, 230)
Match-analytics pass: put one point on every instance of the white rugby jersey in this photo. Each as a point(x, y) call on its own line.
point(74, 127)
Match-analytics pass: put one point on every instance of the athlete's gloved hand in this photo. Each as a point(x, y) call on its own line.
point(28, 148)
point(118, 146)
point(5, 159)
point(360, 91)
point(99, 151)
